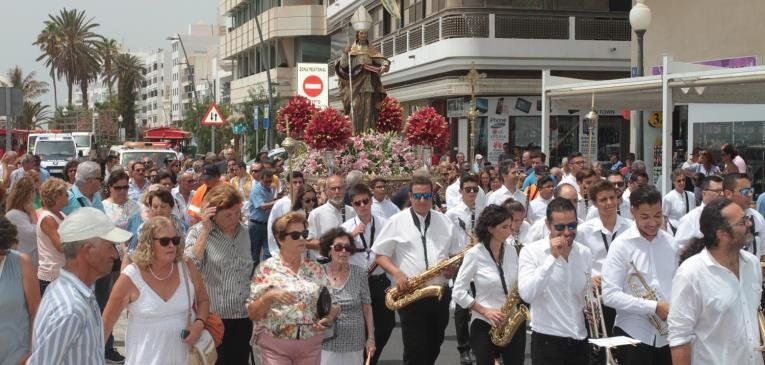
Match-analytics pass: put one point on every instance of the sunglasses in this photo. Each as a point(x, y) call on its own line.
point(561, 227)
point(419, 196)
point(747, 191)
point(120, 188)
point(380, 187)
point(343, 248)
point(164, 241)
point(297, 234)
point(361, 202)
point(470, 189)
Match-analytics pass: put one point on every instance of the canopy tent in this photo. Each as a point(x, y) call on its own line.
point(680, 83)
point(163, 133)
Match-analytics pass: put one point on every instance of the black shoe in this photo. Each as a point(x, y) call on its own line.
point(114, 357)
point(465, 358)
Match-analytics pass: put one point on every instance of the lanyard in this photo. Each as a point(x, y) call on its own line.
point(499, 266)
point(342, 214)
point(371, 236)
point(472, 219)
point(687, 207)
point(605, 240)
point(422, 234)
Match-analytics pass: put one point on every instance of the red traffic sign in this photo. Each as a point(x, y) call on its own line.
point(213, 116)
point(313, 86)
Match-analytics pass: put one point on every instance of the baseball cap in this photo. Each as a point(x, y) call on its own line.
point(479, 157)
point(88, 222)
point(210, 172)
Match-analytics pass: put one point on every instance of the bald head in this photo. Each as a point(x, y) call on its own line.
point(568, 192)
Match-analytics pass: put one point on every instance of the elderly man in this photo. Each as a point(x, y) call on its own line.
point(85, 191)
point(137, 184)
point(330, 215)
point(27, 164)
point(255, 171)
point(261, 202)
point(182, 195)
point(68, 328)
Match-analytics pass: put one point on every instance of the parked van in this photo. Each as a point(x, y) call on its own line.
point(55, 150)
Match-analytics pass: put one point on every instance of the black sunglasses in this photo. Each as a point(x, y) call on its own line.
point(361, 202)
point(164, 241)
point(470, 189)
point(346, 248)
point(297, 234)
point(122, 188)
point(561, 227)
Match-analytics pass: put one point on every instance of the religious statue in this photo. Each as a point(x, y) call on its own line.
point(361, 90)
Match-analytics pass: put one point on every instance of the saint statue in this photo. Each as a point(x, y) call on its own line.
point(361, 90)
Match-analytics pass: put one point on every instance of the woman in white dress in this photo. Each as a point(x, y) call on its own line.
point(678, 202)
point(20, 211)
point(154, 291)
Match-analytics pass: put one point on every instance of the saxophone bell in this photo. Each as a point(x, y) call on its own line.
point(515, 314)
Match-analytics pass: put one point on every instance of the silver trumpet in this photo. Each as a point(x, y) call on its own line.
point(593, 313)
point(641, 289)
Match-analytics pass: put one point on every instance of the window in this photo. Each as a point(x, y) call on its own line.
point(312, 49)
point(414, 10)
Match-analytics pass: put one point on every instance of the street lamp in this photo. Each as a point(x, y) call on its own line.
point(640, 19)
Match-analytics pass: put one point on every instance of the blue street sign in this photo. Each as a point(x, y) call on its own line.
point(266, 116)
point(255, 116)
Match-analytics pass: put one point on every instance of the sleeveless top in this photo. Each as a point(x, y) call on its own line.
point(50, 259)
point(153, 334)
point(14, 317)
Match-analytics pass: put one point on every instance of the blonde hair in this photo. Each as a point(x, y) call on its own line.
point(21, 194)
point(144, 251)
point(279, 229)
point(50, 190)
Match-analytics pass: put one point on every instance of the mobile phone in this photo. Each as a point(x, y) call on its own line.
point(185, 333)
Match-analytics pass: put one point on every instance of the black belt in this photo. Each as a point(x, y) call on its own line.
point(380, 277)
point(558, 339)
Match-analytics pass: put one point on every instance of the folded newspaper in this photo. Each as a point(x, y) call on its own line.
point(614, 341)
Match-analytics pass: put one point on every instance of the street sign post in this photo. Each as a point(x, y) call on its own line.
point(255, 119)
point(213, 118)
point(312, 82)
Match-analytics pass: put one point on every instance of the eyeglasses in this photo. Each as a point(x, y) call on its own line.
point(419, 196)
point(346, 248)
point(380, 187)
point(139, 170)
point(561, 227)
point(742, 222)
point(297, 234)
point(164, 241)
point(470, 189)
point(120, 187)
point(746, 191)
point(716, 191)
point(309, 200)
point(361, 202)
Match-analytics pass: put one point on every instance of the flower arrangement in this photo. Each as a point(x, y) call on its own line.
point(427, 128)
point(298, 112)
point(328, 129)
point(391, 116)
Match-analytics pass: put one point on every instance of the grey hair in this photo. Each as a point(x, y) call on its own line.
point(353, 177)
point(86, 171)
point(28, 158)
point(72, 248)
point(638, 166)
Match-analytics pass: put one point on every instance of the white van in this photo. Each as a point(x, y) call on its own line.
point(55, 150)
point(85, 142)
point(138, 151)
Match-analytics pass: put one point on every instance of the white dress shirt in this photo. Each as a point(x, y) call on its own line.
point(675, 205)
point(715, 311)
point(571, 180)
point(385, 208)
point(537, 209)
point(479, 267)
point(464, 219)
point(657, 262)
point(401, 241)
point(688, 228)
point(555, 288)
point(326, 217)
point(365, 260)
point(498, 197)
point(759, 232)
point(623, 210)
point(280, 208)
point(538, 231)
point(453, 196)
point(597, 238)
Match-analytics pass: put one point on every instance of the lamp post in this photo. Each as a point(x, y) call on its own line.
point(472, 79)
point(640, 19)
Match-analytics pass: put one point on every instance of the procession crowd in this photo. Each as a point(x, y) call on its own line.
point(212, 258)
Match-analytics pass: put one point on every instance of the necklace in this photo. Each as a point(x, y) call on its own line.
point(337, 275)
point(162, 279)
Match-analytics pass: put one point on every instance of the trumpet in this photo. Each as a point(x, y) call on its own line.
point(645, 291)
point(593, 313)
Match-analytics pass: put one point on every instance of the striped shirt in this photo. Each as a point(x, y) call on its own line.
point(226, 269)
point(68, 328)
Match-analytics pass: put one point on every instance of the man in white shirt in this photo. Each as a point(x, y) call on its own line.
point(716, 294)
point(282, 207)
point(365, 228)
point(552, 277)
point(738, 188)
point(575, 163)
point(182, 195)
point(539, 230)
point(614, 177)
point(637, 179)
point(27, 164)
point(647, 250)
point(454, 197)
point(331, 214)
point(688, 226)
point(538, 207)
point(412, 241)
point(585, 178)
point(381, 204)
point(509, 172)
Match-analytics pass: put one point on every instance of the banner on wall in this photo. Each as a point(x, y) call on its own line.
point(499, 132)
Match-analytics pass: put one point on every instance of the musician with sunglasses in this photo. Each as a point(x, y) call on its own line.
point(411, 242)
point(365, 228)
point(553, 275)
point(283, 299)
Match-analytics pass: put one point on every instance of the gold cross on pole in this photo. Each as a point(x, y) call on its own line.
point(472, 79)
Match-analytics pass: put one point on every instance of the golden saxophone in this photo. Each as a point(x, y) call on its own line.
point(516, 313)
point(646, 292)
point(395, 300)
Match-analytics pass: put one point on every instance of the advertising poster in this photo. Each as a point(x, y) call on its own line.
point(498, 134)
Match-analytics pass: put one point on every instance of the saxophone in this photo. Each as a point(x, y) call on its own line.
point(516, 313)
point(396, 300)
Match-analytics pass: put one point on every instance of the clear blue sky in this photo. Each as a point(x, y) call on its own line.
point(137, 24)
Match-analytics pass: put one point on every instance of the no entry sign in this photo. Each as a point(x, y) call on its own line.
point(313, 86)
point(312, 82)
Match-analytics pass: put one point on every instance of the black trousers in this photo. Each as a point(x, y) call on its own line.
point(486, 351)
point(641, 354)
point(598, 354)
point(422, 328)
point(384, 318)
point(235, 348)
point(462, 327)
point(554, 350)
point(258, 241)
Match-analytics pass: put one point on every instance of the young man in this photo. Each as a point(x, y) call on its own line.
point(646, 250)
point(538, 206)
point(413, 241)
point(365, 228)
point(688, 226)
point(575, 163)
point(585, 178)
point(738, 188)
point(509, 172)
point(615, 178)
point(381, 204)
point(552, 278)
point(453, 195)
point(716, 294)
point(281, 207)
point(539, 230)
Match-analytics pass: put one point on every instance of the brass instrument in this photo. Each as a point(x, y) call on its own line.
point(761, 326)
point(395, 300)
point(516, 313)
point(648, 293)
point(593, 313)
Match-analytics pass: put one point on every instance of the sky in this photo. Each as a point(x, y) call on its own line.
point(136, 24)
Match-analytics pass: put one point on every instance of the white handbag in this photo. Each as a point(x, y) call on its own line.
point(203, 351)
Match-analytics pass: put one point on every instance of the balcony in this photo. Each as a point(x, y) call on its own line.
point(286, 77)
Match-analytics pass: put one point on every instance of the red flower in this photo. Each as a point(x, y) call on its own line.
point(328, 129)
point(390, 117)
point(298, 111)
point(427, 128)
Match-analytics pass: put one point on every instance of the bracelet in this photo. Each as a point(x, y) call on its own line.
point(200, 319)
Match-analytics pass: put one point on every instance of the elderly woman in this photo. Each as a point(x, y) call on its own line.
point(305, 200)
point(284, 296)
point(220, 247)
point(157, 289)
point(53, 193)
point(492, 266)
point(351, 290)
point(118, 207)
point(20, 210)
point(20, 298)
point(70, 170)
point(159, 203)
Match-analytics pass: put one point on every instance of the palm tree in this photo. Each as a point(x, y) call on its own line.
point(30, 88)
point(108, 51)
point(33, 114)
point(129, 74)
point(49, 41)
